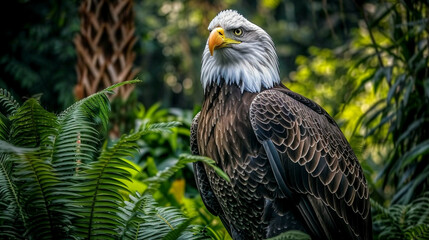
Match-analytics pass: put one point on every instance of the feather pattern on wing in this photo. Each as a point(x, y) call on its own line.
point(319, 163)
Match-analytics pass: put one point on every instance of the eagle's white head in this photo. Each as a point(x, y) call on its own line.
point(239, 52)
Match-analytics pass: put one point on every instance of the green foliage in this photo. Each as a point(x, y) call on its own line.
point(60, 165)
point(378, 82)
point(398, 61)
point(162, 176)
point(58, 181)
point(410, 221)
point(375, 85)
point(169, 151)
point(40, 41)
point(7, 101)
point(171, 35)
point(161, 146)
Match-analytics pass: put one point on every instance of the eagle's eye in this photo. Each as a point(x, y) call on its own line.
point(238, 31)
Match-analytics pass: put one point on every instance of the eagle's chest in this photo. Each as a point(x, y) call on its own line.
point(225, 134)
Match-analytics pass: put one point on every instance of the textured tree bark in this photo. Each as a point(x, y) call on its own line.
point(104, 46)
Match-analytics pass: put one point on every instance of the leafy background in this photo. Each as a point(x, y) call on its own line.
point(365, 62)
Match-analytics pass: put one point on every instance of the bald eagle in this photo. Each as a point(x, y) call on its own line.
point(290, 166)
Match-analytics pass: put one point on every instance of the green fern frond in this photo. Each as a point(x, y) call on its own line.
point(76, 144)
point(131, 214)
point(418, 232)
point(178, 231)
point(409, 221)
point(8, 102)
point(6, 147)
point(47, 215)
point(113, 87)
point(96, 108)
point(162, 176)
point(292, 234)
point(158, 225)
point(141, 218)
point(13, 217)
point(97, 105)
point(198, 232)
point(4, 127)
point(103, 186)
point(33, 126)
point(158, 127)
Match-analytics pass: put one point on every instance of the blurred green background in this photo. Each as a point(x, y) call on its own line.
point(171, 36)
point(365, 62)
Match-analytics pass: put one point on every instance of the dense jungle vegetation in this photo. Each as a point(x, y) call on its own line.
point(97, 165)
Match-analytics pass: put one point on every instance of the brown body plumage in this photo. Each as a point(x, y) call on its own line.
point(289, 164)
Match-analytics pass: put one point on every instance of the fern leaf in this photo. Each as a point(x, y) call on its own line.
point(32, 126)
point(418, 232)
point(130, 215)
point(158, 225)
point(97, 105)
point(47, 215)
point(111, 88)
point(141, 218)
point(409, 221)
point(101, 183)
point(178, 231)
point(76, 144)
point(197, 232)
point(8, 102)
point(13, 218)
point(6, 147)
point(4, 127)
point(162, 176)
point(158, 127)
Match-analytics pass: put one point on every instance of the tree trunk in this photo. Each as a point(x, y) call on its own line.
point(105, 46)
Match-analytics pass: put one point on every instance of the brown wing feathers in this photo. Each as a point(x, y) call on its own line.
point(317, 160)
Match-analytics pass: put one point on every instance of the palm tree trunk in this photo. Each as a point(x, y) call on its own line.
point(104, 46)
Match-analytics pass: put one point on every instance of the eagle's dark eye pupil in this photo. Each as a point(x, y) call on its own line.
point(238, 31)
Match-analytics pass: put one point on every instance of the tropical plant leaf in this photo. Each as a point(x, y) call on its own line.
point(177, 232)
point(8, 102)
point(97, 105)
point(80, 128)
point(33, 126)
point(4, 127)
point(57, 182)
point(141, 218)
point(418, 232)
point(197, 232)
point(158, 224)
point(131, 215)
point(103, 185)
point(13, 217)
point(77, 143)
point(47, 215)
point(409, 221)
point(162, 176)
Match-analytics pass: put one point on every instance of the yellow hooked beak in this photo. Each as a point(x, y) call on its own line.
point(218, 40)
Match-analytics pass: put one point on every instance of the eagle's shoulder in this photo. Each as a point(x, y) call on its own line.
point(282, 93)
